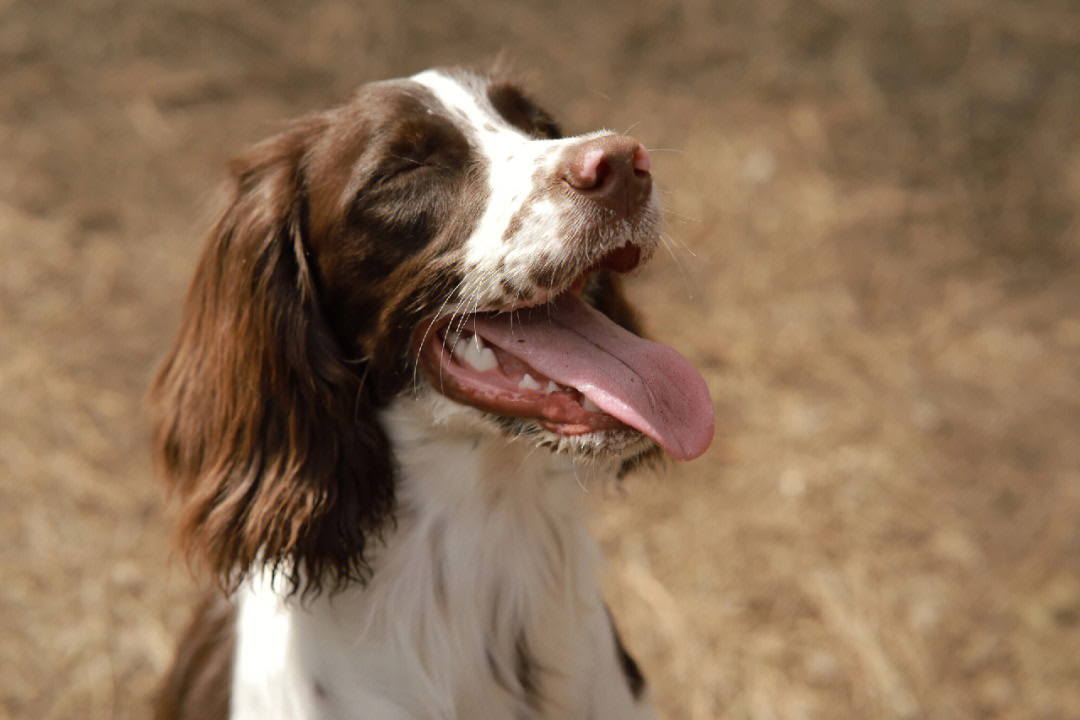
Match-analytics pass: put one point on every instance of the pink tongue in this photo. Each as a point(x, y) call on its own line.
point(646, 385)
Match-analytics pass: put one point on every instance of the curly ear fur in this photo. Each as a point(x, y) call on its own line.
point(261, 425)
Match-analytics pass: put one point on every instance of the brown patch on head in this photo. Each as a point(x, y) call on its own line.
point(413, 192)
point(341, 234)
point(521, 112)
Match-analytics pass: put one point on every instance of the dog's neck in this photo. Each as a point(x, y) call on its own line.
point(491, 553)
point(489, 566)
point(446, 464)
point(500, 522)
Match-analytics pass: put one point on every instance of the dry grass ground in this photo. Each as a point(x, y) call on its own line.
point(872, 211)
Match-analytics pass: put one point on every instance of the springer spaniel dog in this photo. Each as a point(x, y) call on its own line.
point(404, 337)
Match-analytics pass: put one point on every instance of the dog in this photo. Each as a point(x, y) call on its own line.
point(404, 298)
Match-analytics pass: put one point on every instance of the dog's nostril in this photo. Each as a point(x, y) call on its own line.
point(641, 161)
point(589, 170)
point(601, 173)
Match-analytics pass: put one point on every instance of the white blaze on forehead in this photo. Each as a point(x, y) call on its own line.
point(513, 162)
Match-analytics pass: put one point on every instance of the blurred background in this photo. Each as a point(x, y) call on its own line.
point(873, 217)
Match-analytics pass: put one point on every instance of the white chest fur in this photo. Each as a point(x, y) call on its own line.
point(483, 601)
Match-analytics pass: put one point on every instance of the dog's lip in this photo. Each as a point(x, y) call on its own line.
point(508, 362)
point(560, 412)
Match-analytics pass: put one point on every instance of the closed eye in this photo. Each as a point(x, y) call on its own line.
point(427, 147)
point(408, 163)
point(402, 165)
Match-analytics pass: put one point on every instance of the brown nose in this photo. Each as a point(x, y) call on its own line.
point(612, 170)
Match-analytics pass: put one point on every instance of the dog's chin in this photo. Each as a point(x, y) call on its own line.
point(619, 448)
point(617, 445)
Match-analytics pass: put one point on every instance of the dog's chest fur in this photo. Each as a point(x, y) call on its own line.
point(483, 601)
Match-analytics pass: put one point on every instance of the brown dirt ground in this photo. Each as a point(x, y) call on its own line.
point(875, 244)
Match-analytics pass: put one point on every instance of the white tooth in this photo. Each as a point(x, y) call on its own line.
point(551, 387)
point(478, 342)
point(490, 361)
point(589, 405)
point(460, 350)
point(529, 383)
point(464, 352)
point(452, 338)
point(482, 360)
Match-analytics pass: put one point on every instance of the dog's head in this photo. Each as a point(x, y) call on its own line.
point(435, 235)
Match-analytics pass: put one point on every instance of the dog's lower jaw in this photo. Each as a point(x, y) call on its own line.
point(483, 600)
point(605, 453)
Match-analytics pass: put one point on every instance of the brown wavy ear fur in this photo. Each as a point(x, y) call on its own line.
point(261, 425)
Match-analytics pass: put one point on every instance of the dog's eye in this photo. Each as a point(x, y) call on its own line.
point(407, 156)
point(403, 165)
point(423, 148)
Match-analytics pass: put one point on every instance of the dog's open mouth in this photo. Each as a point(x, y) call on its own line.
point(573, 370)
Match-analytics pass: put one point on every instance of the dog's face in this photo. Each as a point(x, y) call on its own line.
point(447, 217)
point(435, 235)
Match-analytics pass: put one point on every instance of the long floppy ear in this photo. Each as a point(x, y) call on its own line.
point(260, 424)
